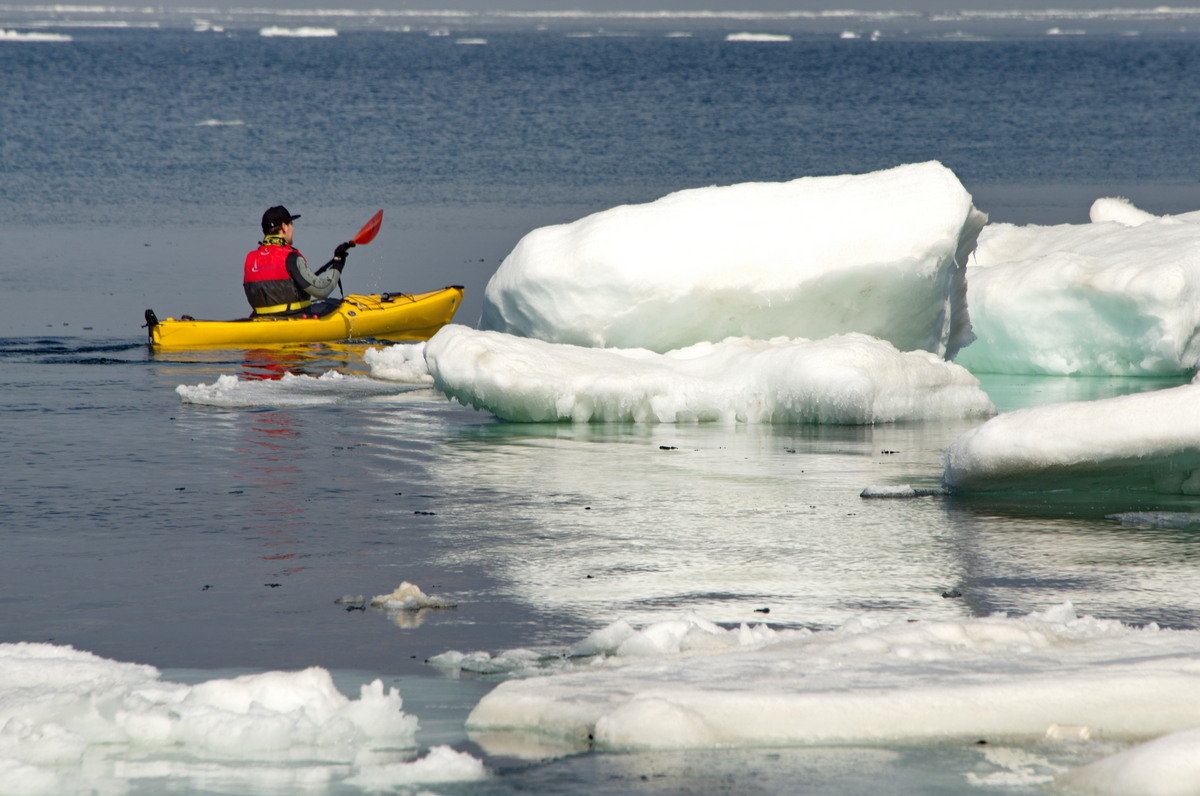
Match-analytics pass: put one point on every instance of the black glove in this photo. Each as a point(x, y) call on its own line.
point(340, 252)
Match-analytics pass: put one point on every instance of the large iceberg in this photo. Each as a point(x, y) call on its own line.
point(1118, 296)
point(1147, 440)
point(882, 253)
point(849, 378)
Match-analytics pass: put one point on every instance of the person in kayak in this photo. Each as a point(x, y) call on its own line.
point(278, 280)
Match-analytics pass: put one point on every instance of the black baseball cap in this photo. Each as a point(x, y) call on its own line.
point(276, 216)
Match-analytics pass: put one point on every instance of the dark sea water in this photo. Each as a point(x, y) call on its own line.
point(134, 164)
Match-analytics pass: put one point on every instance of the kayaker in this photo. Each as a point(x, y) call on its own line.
point(278, 280)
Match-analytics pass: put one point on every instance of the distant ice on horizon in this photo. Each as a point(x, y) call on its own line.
point(302, 33)
point(33, 36)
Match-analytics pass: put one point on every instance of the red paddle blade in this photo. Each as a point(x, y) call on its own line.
point(369, 230)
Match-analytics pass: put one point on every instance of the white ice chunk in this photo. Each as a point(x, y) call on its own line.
point(882, 253)
point(33, 36)
point(409, 597)
point(60, 706)
point(850, 378)
point(403, 362)
point(1166, 766)
point(1119, 297)
point(1120, 210)
point(873, 680)
point(1147, 440)
point(306, 32)
point(441, 765)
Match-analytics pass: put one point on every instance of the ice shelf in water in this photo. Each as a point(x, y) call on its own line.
point(877, 679)
point(1117, 296)
point(849, 378)
point(71, 721)
point(1147, 440)
point(882, 253)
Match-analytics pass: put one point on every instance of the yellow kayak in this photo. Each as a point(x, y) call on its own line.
point(391, 316)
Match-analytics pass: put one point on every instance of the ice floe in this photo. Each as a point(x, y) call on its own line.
point(1118, 296)
point(61, 707)
point(875, 679)
point(882, 253)
point(33, 36)
point(848, 378)
point(301, 32)
point(758, 37)
point(1145, 441)
point(290, 390)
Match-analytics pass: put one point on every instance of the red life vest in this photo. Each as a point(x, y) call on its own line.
point(269, 288)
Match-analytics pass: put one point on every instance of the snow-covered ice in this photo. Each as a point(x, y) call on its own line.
point(1166, 766)
point(1117, 296)
point(875, 679)
point(1147, 440)
point(404, 362)
point(60, 707)
point(882, 253)
point(441, 765)
point(848, 378)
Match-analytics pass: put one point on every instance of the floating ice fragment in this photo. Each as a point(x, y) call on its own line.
point(409, 597)
point(758, 37)
point(33, 36)
point(442, 764)
point(404, 362)
point(879, 678)
point(849, 379)
point(60, 706)
point(1148, 441)
point(302, 32)
point(883, 254)
point(1119, 296)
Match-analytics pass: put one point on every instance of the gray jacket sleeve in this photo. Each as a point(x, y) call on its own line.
point(318, 286)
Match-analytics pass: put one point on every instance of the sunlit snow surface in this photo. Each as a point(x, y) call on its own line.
point(1117, 296)
point(882, 253)
point(849, 378)
point(71, 721)
point(1148, 441)
point(687, 683)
